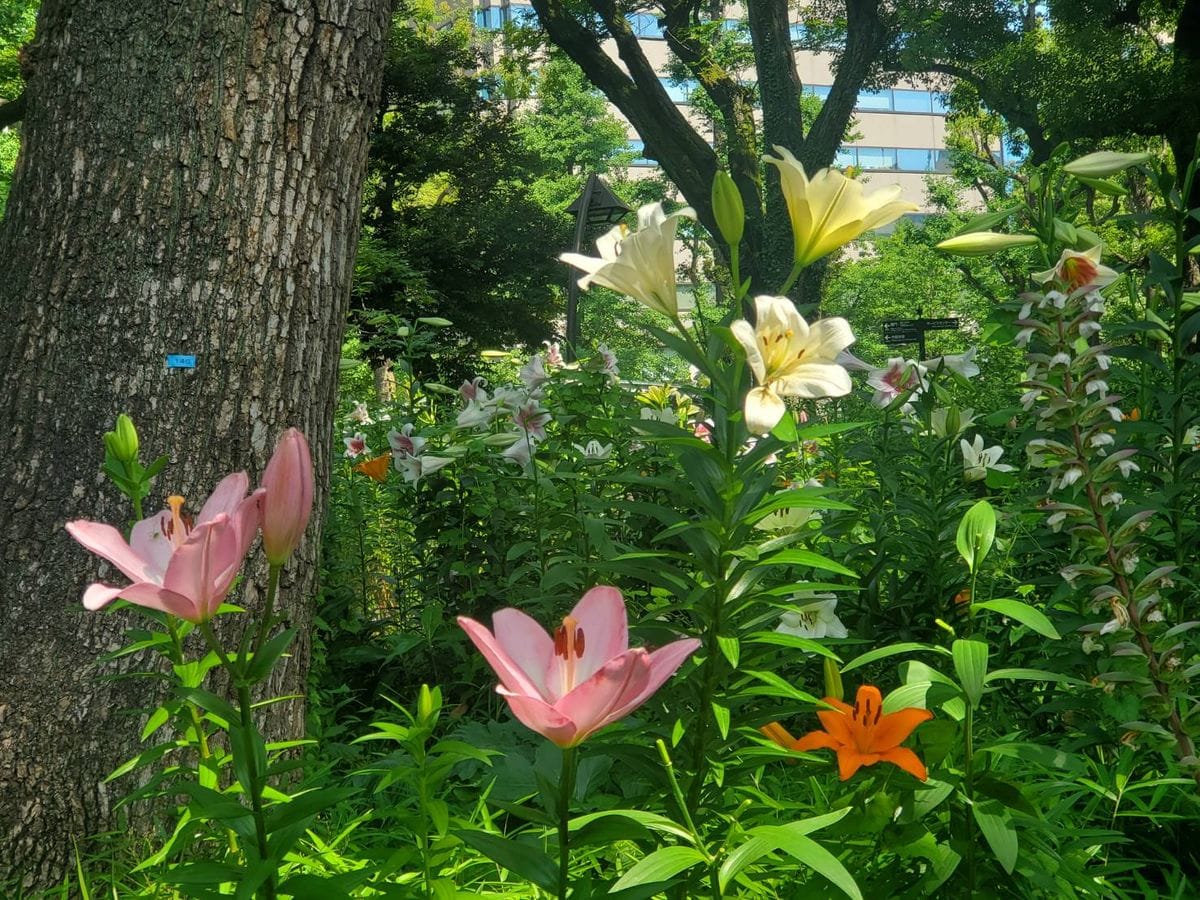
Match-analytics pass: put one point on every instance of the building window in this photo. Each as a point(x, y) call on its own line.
point(639, 147)
point(874, 100)
point(876, 158)
point(914, 160)
point(912, 101)
point(678, 91)
point(645, 25)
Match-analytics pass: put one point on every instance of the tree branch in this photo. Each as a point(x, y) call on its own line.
point(12, 112)
point(685, 157)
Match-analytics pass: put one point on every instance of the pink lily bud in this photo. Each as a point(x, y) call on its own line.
point(287, 503)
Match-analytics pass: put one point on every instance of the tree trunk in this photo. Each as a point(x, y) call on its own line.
point(189, 184)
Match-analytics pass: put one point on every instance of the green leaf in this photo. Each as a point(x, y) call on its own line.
point(997, 827)
point(792, 840)
point(760, 844)
point(891, 650)
point(721, 714)
point(806, 558)
point(1031, 675)
point(209, 701)
point(1027, 615)
point(976, 534)
point(652, 821)
point(970, 662)
point(661, 865)
point(264, 659)
point(519, 858)
point(729, 648)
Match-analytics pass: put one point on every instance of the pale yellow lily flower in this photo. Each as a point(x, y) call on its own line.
point(1079, 271)
point(829, 209)
point(789, 358)
point(640, 264)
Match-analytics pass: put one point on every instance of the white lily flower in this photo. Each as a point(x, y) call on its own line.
point(789, 358)
point(356, 446)
point(594, 450)
point(360, 414)
point(404, 442)
point(1079, 271)
point(977, 460)
point(476, 415)
point(813, 617)
point(900, 376)
point(640, 264)
point(533, 373)
point(962, 363)
point(531, 418)
point(520, 451)
point(414, 468)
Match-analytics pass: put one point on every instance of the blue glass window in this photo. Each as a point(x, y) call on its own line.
point(639, 147)
point(522, 15)
point(874, 99)
point(645, 25)
point(941, 161)
point(846, 156)
point(914, 160)
point(820, 90)
point(939, 103)
point(678, 92)
point(912, 101)
point(798, 31)
point(877, 157)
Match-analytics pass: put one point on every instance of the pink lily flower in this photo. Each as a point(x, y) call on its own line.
point(177, 566)
point(570, 685)
point(287, 503)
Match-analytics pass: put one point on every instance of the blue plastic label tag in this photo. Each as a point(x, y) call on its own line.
point(181, 361)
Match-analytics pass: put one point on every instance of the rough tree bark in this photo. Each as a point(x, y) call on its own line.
point(189, 183)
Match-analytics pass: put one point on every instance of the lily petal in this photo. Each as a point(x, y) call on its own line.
point(525, 643)
point(608, 695)
point(107, 542)
point(538, 715)
point(98, 596)
point(763, 408)
point(601, 616)
point(511, 675)
point(907, 760)
point(894, 728)
point(226, 496)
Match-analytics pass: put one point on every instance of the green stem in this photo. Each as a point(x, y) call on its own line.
point(194, 715)
point(969, 740)
point(256, 786)
point(566, 788)
point(264, 625)
point(686, 813)
point(797, 268)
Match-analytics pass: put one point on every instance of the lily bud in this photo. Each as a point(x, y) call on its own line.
point(287, 503)
point(1065, 233)
point(425, 704)
point(1104, 163)
point(983, 243)
point(123, 442)
point(728, 209)
point(833, 679)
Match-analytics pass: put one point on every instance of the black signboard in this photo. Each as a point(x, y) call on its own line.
point(939, 324)
point(897, 332)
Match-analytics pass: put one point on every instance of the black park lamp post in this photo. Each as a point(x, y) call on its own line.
point(597, 205)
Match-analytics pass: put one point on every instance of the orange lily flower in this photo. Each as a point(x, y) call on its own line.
point(376, 468)
point(861, 734)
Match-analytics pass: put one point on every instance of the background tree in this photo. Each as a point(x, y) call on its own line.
point(190, 183)
point(16, 27)
point(1064, 70)
point(692, 29)
point(467, 192)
